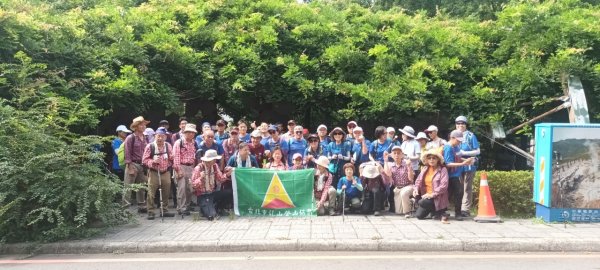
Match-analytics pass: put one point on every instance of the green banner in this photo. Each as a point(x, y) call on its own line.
point(259, 192)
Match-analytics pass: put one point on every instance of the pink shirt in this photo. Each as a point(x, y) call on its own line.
point(185, 155)
point(164, 161)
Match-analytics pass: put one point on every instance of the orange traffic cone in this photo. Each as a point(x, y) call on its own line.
point(486, 212)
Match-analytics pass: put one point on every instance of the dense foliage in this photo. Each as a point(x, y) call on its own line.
point(511, 192)
point(75, 67)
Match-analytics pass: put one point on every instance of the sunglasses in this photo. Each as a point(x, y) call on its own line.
point(271, 131)
point(298, 132)
point(335, 134)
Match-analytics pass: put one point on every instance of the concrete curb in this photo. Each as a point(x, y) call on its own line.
point(437, 245)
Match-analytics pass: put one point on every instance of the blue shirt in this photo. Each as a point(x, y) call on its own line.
point(451, 157)
point(116, 143)
point(221, 138)
point(203, 148)
point(344, 148)
point(376, 149)
point(351, 190)
point(233, 162)
point(359, 157)
point(296, 146)
point(325, 142)
point(469, 144)
point(270, 144)
point(245, 138)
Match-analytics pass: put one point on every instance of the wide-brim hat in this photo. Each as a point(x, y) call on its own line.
point(370, 170)
point(432, 152)
point(210, 155)
point(408, 131)
point(335, 130)
point(137, 121)
point(190, 128)
point(322, 161)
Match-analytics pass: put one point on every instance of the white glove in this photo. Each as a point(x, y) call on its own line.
point(460, 153)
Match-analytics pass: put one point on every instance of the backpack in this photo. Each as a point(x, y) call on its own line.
point(152, 150)
point(121, 151)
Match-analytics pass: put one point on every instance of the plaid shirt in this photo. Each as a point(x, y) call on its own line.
point(259, 153)
point(185, 155)
point(139, 145)
point(322, 195)
point(199, 183)
point(163, 164)
point(229, 148)
point(399, 175)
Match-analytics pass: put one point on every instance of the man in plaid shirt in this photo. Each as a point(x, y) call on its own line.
point(184, 153)
point(205, 179)
point(157, 158)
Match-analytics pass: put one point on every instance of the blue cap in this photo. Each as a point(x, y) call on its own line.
point(205, 124)
point(161, 131)
point(273, 127)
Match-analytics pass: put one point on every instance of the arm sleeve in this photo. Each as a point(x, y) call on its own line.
point(177, 155)
point(358, 184)
point(146, 160)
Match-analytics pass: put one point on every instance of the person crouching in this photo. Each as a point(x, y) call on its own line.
point(352, 187)
point(374, 194)
point(204, 179)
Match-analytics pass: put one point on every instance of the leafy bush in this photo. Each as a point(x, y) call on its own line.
point(53, 182)
point(512, 192)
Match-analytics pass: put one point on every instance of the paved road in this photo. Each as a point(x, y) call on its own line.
point(309, 260)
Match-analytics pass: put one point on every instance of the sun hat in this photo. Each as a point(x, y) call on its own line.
point(408, 131)
point(421, 135)
point(457, 134)
point(352, 123)
point(210, 155)
point(322, 126)
point(190, 128)
point(122, 128)
point(149, 132)
point(137, 121)
point(335, 130)
point(431, 128)
point(312, 137)
point(256, 134)
point(434, 153)
point(322, 161)
point(370, 170)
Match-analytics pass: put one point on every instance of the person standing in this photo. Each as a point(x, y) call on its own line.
point(411, 148)
point(350, 127)
point(221, 135)
point(296, 145)
point(380, 145)
point(313, 151)
point(275, 140)
point(135, 144)
point(324, 139)
point(455, 164)
point(178, 135)
point(257, 149)
point(122, 133)
point(231, 144)
point(469, 148)
point(243, 129)
point(165, 124)
point(436, 141)
point(290, 130)
point(184, 153)
point(158, 157)
point(360, 149)
point(338, 153)
point(208, 143)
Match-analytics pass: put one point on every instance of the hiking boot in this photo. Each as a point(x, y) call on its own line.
point(407, 216)
point(332, 212)
point(150, 216)
point(465, 213)
point(168, 214)
point(376, 213)
point(210, 218)
point(184, 212)
point(458, 217)
point(142, 210)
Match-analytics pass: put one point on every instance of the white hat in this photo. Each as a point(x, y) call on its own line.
point(209, 155)
point(149, 132)
point(123, 129)
point(391, 129)
point(322, 161)
point(457, 134)
point(297, 155)
point(322, 126)
point(408, 131)
point(461, 119)
point(370, 170)
point(397, 147)
point(421, 135)
point(256, 134)
point(190, 128)
point(357, 129)
point(431, 128)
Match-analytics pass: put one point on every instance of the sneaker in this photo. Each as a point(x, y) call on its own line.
point(142, 210)
point(376, 213)
point(332, 212)
point(168, 214)
point(210, 218)
point(445, 219)
point(458, 217)
point(408, 216)
point(150, 216)
point(465, 213)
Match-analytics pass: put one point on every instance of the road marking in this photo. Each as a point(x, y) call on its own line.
point(310, 257)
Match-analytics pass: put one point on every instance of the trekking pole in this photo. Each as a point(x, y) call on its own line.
point(344, 205)
point(160, 195)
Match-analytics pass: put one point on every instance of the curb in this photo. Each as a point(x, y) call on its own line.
point(438, 245)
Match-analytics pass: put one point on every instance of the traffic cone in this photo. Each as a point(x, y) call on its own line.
point(485, 212)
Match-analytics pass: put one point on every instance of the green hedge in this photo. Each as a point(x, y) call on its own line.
point(512, 192)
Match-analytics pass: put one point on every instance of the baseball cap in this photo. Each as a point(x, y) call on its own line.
point(161, 131)
point(431, 128)
point(322, 126)
point(391, 129)
point(123, 129)
point(297, 155)
point(256, 134)
point(461, 119)
point(457, 134)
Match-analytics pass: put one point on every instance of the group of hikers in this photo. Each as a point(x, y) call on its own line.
point(414, 175)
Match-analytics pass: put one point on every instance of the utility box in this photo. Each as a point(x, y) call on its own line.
point(567, 172)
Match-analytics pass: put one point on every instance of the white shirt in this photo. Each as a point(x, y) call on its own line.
point(412, 149)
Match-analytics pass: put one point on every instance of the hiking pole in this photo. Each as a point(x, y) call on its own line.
point(344, 205)
point(160, 195)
